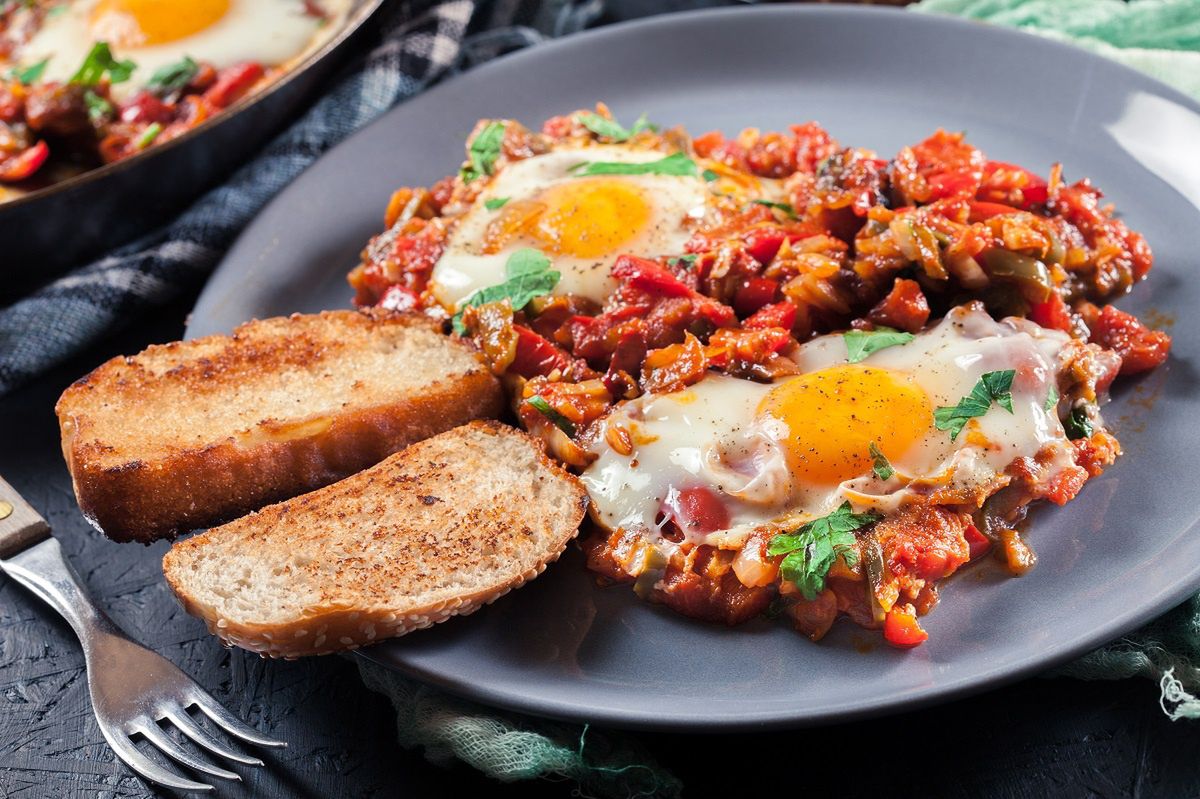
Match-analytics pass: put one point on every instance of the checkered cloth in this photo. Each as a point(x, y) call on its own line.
point(419, 43)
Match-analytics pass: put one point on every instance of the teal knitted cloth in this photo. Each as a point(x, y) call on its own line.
point(1160, 37)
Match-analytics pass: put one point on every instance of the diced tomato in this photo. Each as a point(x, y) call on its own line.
point(900, 628)
point(780, 314)
point(1140, 347)
point(978, 542)
point(234, 83)
point(25, 163)
point(697, 509)
point(535, 355)
point(1066, 484)
point(757, 293)
point(904, 308)
point(146, 107)
point(1008, 183)
point(1052, 314)
point(981, 210)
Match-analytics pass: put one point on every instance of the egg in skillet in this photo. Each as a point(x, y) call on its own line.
point(793, 450)
point(158, 33)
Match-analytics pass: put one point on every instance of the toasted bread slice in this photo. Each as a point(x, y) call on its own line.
point(193, 433)
point(438, 530)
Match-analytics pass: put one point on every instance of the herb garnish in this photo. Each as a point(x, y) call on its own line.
point(709, 175)
point(173, 78)
point(529, 275)
point(785, 207)
point(495, 202)
point(561, 422)
point(99, 62)
point(1051, 400)
point(675, 164)
point(1078, 424)
point(483, 152)
point(813, 548)
point(610, 128)
point(97, 106)
point(861, 343)
point(688, 261)
point(992, 387)
point(880, 464)
point(31, 74)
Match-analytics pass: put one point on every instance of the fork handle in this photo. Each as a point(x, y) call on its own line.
point(44, 570)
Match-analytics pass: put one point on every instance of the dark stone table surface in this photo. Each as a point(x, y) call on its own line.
point(1039, 738)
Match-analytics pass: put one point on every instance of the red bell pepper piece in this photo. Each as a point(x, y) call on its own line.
point(1052, 314)
point(781, 314)
point(25, 163)
point(977, 541)
point(233, 84)
point(535, 355)
point(901, 629)
point(757, 293)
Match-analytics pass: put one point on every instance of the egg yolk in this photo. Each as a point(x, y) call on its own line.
point(590, 217)
point(834, 415)
point(137, 23)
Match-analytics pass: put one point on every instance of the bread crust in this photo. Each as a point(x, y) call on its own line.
point(142, 497)
point(349, 623)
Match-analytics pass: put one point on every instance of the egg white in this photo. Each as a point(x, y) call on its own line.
point(677, 202)
point(688, 438)
point(271, 32)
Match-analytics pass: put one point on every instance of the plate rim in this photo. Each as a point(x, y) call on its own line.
point(939, 692)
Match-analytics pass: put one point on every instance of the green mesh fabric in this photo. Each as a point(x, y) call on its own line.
point(510, 747)
point(1159, 37)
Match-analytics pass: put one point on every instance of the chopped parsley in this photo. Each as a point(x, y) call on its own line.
point(529, 275)
point(812, 550)
point(1078, 423)
point(688, 261)
point(992, 387)
point(611, 129)
point(483, 152)
point(31, 74)
point(173, 78)
point(1051, 400)
point(785, 207)
point(544, 408)
point(880, 464)
point(495, 203)
point(100, 62)
point(98, 108)
point(861, 343)
point(677, 164)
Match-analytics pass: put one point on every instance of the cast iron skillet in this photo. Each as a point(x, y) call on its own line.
point(57, 227)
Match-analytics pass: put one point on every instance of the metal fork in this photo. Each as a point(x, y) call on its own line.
point(132, 688)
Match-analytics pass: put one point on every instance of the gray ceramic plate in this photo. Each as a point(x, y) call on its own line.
point(1125, 551)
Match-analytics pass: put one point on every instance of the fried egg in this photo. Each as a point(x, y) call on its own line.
point(158, 33)
point(786, 452)
point(581, 223)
